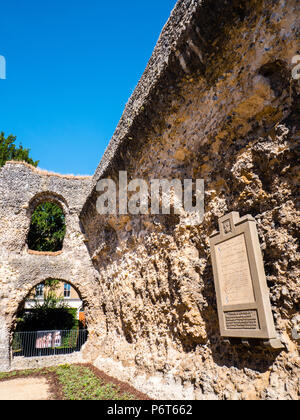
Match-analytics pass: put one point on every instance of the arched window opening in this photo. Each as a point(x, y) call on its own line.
point(47, 228)
point(48, 322)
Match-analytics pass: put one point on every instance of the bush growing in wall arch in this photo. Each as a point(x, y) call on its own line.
point(47, 319)
point(47, 229)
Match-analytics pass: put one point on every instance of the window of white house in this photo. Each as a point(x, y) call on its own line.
point(67, 290)
point(39, 291)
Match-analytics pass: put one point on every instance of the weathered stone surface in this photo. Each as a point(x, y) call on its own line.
point(22, 363)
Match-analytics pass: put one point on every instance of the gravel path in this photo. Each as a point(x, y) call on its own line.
point(25, 389)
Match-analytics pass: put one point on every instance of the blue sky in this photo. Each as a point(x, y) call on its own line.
point(71, 67)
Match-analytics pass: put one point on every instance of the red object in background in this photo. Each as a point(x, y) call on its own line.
point(82, 318)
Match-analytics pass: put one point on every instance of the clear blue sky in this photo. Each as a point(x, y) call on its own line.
point(71, 67)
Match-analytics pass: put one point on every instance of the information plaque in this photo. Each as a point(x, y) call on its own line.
point(242, 294)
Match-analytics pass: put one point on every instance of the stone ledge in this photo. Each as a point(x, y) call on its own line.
point(44, 172)
point(44, 253)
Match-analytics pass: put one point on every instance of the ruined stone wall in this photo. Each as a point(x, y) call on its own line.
point(22, 188)
point(216, 102)
point(224, 108)
point(40, 362)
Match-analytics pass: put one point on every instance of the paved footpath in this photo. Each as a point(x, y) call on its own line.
point(25, 389)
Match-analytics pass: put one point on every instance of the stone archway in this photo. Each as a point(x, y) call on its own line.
point(57, 290)
point(54, 210)
point(22, 188)
point(4, 346)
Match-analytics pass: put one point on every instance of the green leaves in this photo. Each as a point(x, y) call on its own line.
point(47, 229)
point(9, 151)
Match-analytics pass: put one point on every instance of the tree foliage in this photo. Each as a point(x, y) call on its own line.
point(47, 319)
point(47, 229)
point(9, 151)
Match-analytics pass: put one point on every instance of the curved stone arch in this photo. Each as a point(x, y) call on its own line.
point(34, 270)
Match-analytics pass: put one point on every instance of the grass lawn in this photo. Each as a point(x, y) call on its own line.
point(79, 382)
